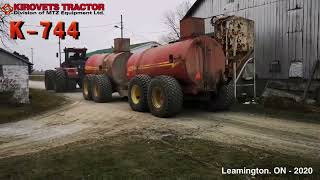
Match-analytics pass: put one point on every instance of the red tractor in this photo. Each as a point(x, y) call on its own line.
point(69, 74)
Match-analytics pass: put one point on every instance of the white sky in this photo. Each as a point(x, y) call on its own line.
point(143, 21)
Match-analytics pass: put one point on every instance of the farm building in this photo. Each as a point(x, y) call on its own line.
point(287, 33)
point(14, 77)
point(134, 48)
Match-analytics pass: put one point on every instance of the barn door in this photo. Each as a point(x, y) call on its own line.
point(295, 40)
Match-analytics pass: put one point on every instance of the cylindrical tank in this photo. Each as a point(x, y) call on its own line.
point(115, 65)
point(198, 63)
point(94, 64)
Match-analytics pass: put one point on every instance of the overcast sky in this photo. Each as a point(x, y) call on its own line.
point(143, 21)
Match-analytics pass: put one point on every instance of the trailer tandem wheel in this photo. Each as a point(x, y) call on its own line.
point(138, 93)
point(49, 79)
point(102, 89)
point(165, 97)
point(87, 87)
point(224, 99)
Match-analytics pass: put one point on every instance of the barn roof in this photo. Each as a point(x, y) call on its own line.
point(17, 56)
point(110, 50)
point(193, 8)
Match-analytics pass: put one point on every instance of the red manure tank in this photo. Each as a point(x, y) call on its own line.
point(197, 63)
point(158, 79)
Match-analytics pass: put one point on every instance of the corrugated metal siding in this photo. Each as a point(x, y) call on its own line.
point(286, 30)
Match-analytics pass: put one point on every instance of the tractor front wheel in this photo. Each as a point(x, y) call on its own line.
point(165, 97)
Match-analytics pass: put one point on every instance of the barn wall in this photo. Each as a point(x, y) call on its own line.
point(286, 31)
point(15, 78)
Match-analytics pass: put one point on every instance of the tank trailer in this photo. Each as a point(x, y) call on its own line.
point(158, 79)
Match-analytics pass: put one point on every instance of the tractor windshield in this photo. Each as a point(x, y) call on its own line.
point(76, 55)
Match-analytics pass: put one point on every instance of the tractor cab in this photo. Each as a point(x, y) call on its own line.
point(75, 60)
point(74, 57)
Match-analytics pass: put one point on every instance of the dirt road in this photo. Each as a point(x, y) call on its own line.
point(83, 120)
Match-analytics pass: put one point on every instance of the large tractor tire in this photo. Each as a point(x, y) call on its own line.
point(49, 76)
point(87, 87)
point(61, 80)
point(138, 93)
point(165, 97)
point(224, 99)
point(102, 89)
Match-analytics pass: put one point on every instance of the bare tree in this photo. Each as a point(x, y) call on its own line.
point(4, 27)
point(172, 20)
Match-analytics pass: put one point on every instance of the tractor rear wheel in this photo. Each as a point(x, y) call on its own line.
point(60, 83)
point(102, 89)
point(138, 93)
point(87, 87)
point(49, 79)
point(224, 99)
point(165, 97)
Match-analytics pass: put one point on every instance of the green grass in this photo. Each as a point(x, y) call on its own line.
point(134, 158)
point(41, 101)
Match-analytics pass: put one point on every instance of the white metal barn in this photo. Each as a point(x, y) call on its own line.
point(14, 77)
point(287, 32)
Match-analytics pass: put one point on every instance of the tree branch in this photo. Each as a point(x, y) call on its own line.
point(172, 20)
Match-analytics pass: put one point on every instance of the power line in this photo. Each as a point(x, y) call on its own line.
point(104, 25)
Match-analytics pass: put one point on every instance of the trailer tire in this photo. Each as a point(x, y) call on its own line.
point(102, 89)
point(87, 87)
point(224, 99)
point(49, 76)
point(60, 83)
point(138, 93)
point(165, 97)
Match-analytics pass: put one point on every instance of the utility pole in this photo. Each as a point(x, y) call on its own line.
point(32, 55)
point(59, 52)
point(121, 27)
